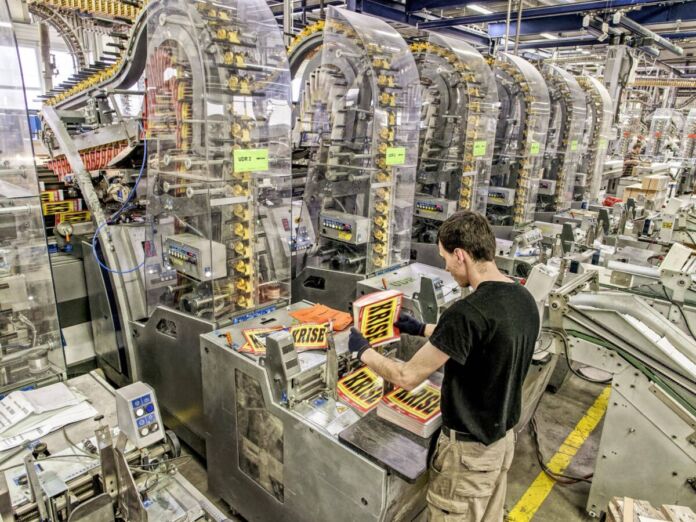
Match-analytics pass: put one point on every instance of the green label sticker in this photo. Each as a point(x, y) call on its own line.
point(603, 143)
point(479, 148)
point(396, 155)
point(250, 160)
point(574, 145)
point(535, 148)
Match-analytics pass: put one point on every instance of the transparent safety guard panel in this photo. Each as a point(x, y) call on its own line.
point(597, 134)
point(363, 107)
point(688, 148)
point(218, 153)
point(665, 130)
point(564, 142)
point(459, 116)
point(631, 127)
point(30, 341)
point(520, 141)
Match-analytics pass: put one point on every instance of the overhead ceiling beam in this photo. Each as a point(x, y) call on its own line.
point(391, 12)
point(638, 29)
point(277, 9)
point(565, 42)
point(553, 11)
point(418, 5)
point(569, 22)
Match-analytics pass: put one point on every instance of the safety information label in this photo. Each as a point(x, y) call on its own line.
point(250, 160)
point(396, 155)
point(479, 148)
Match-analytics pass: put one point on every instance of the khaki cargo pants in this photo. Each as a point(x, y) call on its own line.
point(468, 480)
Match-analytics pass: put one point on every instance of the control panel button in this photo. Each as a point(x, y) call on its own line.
point(150, 408)
point(154, 427)
point(139, 412)
point(144, 432)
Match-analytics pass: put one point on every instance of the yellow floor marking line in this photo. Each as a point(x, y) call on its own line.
point(535, 495)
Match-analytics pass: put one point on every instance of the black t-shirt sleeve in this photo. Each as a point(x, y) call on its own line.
point(458, 330)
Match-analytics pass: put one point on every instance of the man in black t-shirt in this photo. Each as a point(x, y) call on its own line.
point(485, 342)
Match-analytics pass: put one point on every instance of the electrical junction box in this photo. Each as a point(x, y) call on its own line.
point(504, 197)
point(580, 179)
point(196, 257)
point(344, 227)
point(547, 187)
point(138, 414)
point(438, 209)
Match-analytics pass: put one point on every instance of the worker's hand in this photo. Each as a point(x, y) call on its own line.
point(357, 343)
point(410, 325)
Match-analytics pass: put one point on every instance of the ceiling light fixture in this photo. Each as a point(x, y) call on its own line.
point(479, 9)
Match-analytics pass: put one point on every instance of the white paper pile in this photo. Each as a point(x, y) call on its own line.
point(29, 415)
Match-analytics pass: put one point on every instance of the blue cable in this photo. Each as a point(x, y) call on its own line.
point(116, 215)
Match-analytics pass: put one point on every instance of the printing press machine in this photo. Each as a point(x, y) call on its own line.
point(282, 448)
point(90, 472)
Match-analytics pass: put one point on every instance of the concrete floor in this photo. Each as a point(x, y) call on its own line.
point(556, 416)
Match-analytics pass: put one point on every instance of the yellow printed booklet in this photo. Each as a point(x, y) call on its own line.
point(374, 315)
point(417, 411)
point(361, 389)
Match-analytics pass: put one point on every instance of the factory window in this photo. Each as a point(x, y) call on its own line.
point(11, 88)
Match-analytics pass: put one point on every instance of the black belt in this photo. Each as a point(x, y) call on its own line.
point(458, 435)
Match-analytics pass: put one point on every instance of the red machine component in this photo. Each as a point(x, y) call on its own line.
point(93, 159)
point(610, 201)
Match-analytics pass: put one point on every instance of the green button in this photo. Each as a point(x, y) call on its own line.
point(396, 155)
point(479, 148)
point(250, 160)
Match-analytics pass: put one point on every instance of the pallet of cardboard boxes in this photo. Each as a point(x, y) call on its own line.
point(651, 192)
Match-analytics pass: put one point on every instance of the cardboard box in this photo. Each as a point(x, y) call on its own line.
point(655, 182)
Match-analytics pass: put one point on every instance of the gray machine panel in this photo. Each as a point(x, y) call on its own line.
point(638, 422)
point(170, 363)
point(104, 324)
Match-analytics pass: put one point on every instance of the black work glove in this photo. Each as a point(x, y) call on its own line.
point(409, 325)
point(357, 343)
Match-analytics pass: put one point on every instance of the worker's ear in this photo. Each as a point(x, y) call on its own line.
point(461, 255)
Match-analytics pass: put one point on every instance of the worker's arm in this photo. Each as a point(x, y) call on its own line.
point(408, 374)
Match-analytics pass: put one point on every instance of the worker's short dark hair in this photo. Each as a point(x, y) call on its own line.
point(469, 231)
point(638, 145)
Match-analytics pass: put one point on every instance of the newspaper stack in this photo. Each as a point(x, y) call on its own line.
point(361, 389)
point(417, 411)
point(27, 416)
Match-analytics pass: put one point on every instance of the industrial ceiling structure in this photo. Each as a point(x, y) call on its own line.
point(660, 28)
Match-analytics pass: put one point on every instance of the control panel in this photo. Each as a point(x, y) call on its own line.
point(438, 209)
point(138, 414)
point(344, 227)
point(195, 256)
point(547, 187)
point(297, 226)
point(502, 196)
